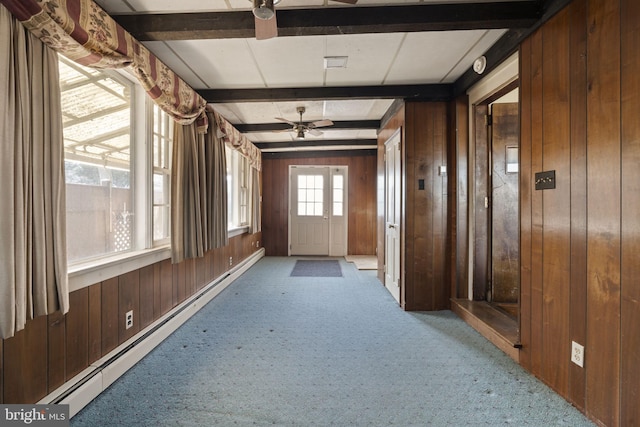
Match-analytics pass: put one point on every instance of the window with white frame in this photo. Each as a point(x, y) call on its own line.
point(162, 143)
point(97, 129)
point(117, 147)
point(238, 188)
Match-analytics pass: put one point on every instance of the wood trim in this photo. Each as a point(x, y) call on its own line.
point(630, 291)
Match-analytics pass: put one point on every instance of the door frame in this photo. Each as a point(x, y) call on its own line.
point(332, 171)
point(488, 88)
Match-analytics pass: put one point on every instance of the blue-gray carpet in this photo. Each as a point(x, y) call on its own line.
point(336, 351)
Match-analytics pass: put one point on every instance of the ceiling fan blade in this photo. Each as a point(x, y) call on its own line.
point(266, 28)
point(286, 121)
point(321, 123)
point(347, 1)
point(314, 132)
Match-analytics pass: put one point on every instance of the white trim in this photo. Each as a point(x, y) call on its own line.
point(103, 372)
point(500, 77)
point(91, 272)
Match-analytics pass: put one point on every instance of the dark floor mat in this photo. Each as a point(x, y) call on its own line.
point(317, 268)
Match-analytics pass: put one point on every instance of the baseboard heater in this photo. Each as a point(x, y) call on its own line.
point(87, 385)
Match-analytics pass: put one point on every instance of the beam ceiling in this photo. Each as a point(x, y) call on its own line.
point(330, 21)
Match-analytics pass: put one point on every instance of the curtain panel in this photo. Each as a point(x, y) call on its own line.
point(235, 140)
point(198, 192)
point(33, 263)
point(86, 34)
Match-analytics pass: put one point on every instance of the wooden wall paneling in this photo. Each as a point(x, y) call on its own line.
point(481, 218)
point(578, 303)
point(537, 165)
point(157, 294)
point(145, 312)
point(525, 190)
point(94, 304)
point(408, 241)
point(77, 333)
point(441, 261)
point(602, 351)
point(166, 286)
point(630, 308)
point(190, 276)
point(25, 363)
point(556, 207)
point(361, 205)
point(56, 343)
point(459, 168)
point(128, 300)
point(109, 313)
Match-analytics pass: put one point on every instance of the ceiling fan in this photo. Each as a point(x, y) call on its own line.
point(265, 17)
point(301, 128)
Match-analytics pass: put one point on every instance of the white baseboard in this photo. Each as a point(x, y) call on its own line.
point(87, 385)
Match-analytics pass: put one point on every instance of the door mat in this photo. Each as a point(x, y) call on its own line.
point(317, 268)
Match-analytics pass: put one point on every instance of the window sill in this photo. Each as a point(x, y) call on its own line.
point(238, 231)
point(88, 273)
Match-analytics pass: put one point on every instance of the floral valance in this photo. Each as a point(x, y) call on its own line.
point(234, 139)
point(86, 34)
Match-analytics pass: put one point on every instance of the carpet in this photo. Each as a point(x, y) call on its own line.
point(316, 268)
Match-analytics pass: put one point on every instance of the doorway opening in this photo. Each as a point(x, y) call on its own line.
point(318, 214)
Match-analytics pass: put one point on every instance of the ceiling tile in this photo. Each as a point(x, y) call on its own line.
point(479, 49)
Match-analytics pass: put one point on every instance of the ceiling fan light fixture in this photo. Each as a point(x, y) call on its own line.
point(300, 134)
point(264, 9)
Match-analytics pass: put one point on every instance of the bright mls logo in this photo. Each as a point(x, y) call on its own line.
point(34, 415)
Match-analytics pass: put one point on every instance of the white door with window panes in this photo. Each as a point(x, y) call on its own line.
point(318, 210)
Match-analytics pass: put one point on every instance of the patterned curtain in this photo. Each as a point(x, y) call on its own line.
point(86, 34)
point(234, 139)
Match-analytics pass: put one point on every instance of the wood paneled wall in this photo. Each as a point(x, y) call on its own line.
point(425, 148)
point(361, 204)
point(580, 275)
point(53, 349)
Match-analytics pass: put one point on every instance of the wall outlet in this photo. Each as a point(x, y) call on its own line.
point(128, 319)
point(230, 260)
point(257, 243)
point(577, 354)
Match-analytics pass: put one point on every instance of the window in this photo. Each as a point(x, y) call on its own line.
point(238, 188)
point(310, 195)
point(162, 143)
point(97, 128)
point(338, 195)
point(117, 168)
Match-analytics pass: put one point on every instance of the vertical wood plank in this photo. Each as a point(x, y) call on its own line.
point(157, 291)
point(95, 322)
point(481, 218)
point(461, 184)
point(578, 304)
point(524, 191)
point(630, 307)
point(77, 341)
point(145, 316)
point(25, 363)
point(2, 372)
point(109, 313)
point(128, 300)
point(166, 286)
point(537, 348)
point(56, 350)
point(603, 212)
point(440, 207)
point(556, 239)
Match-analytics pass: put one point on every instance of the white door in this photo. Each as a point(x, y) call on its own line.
point(318, 214)
point(393, 191)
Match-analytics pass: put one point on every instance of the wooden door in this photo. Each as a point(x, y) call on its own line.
point(309, 207)
point(393, 193)
point(505, 241)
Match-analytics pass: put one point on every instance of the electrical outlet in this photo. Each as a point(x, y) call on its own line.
point(257, 243)
point(577, 354)
point(128, 319)
point(230, 260)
